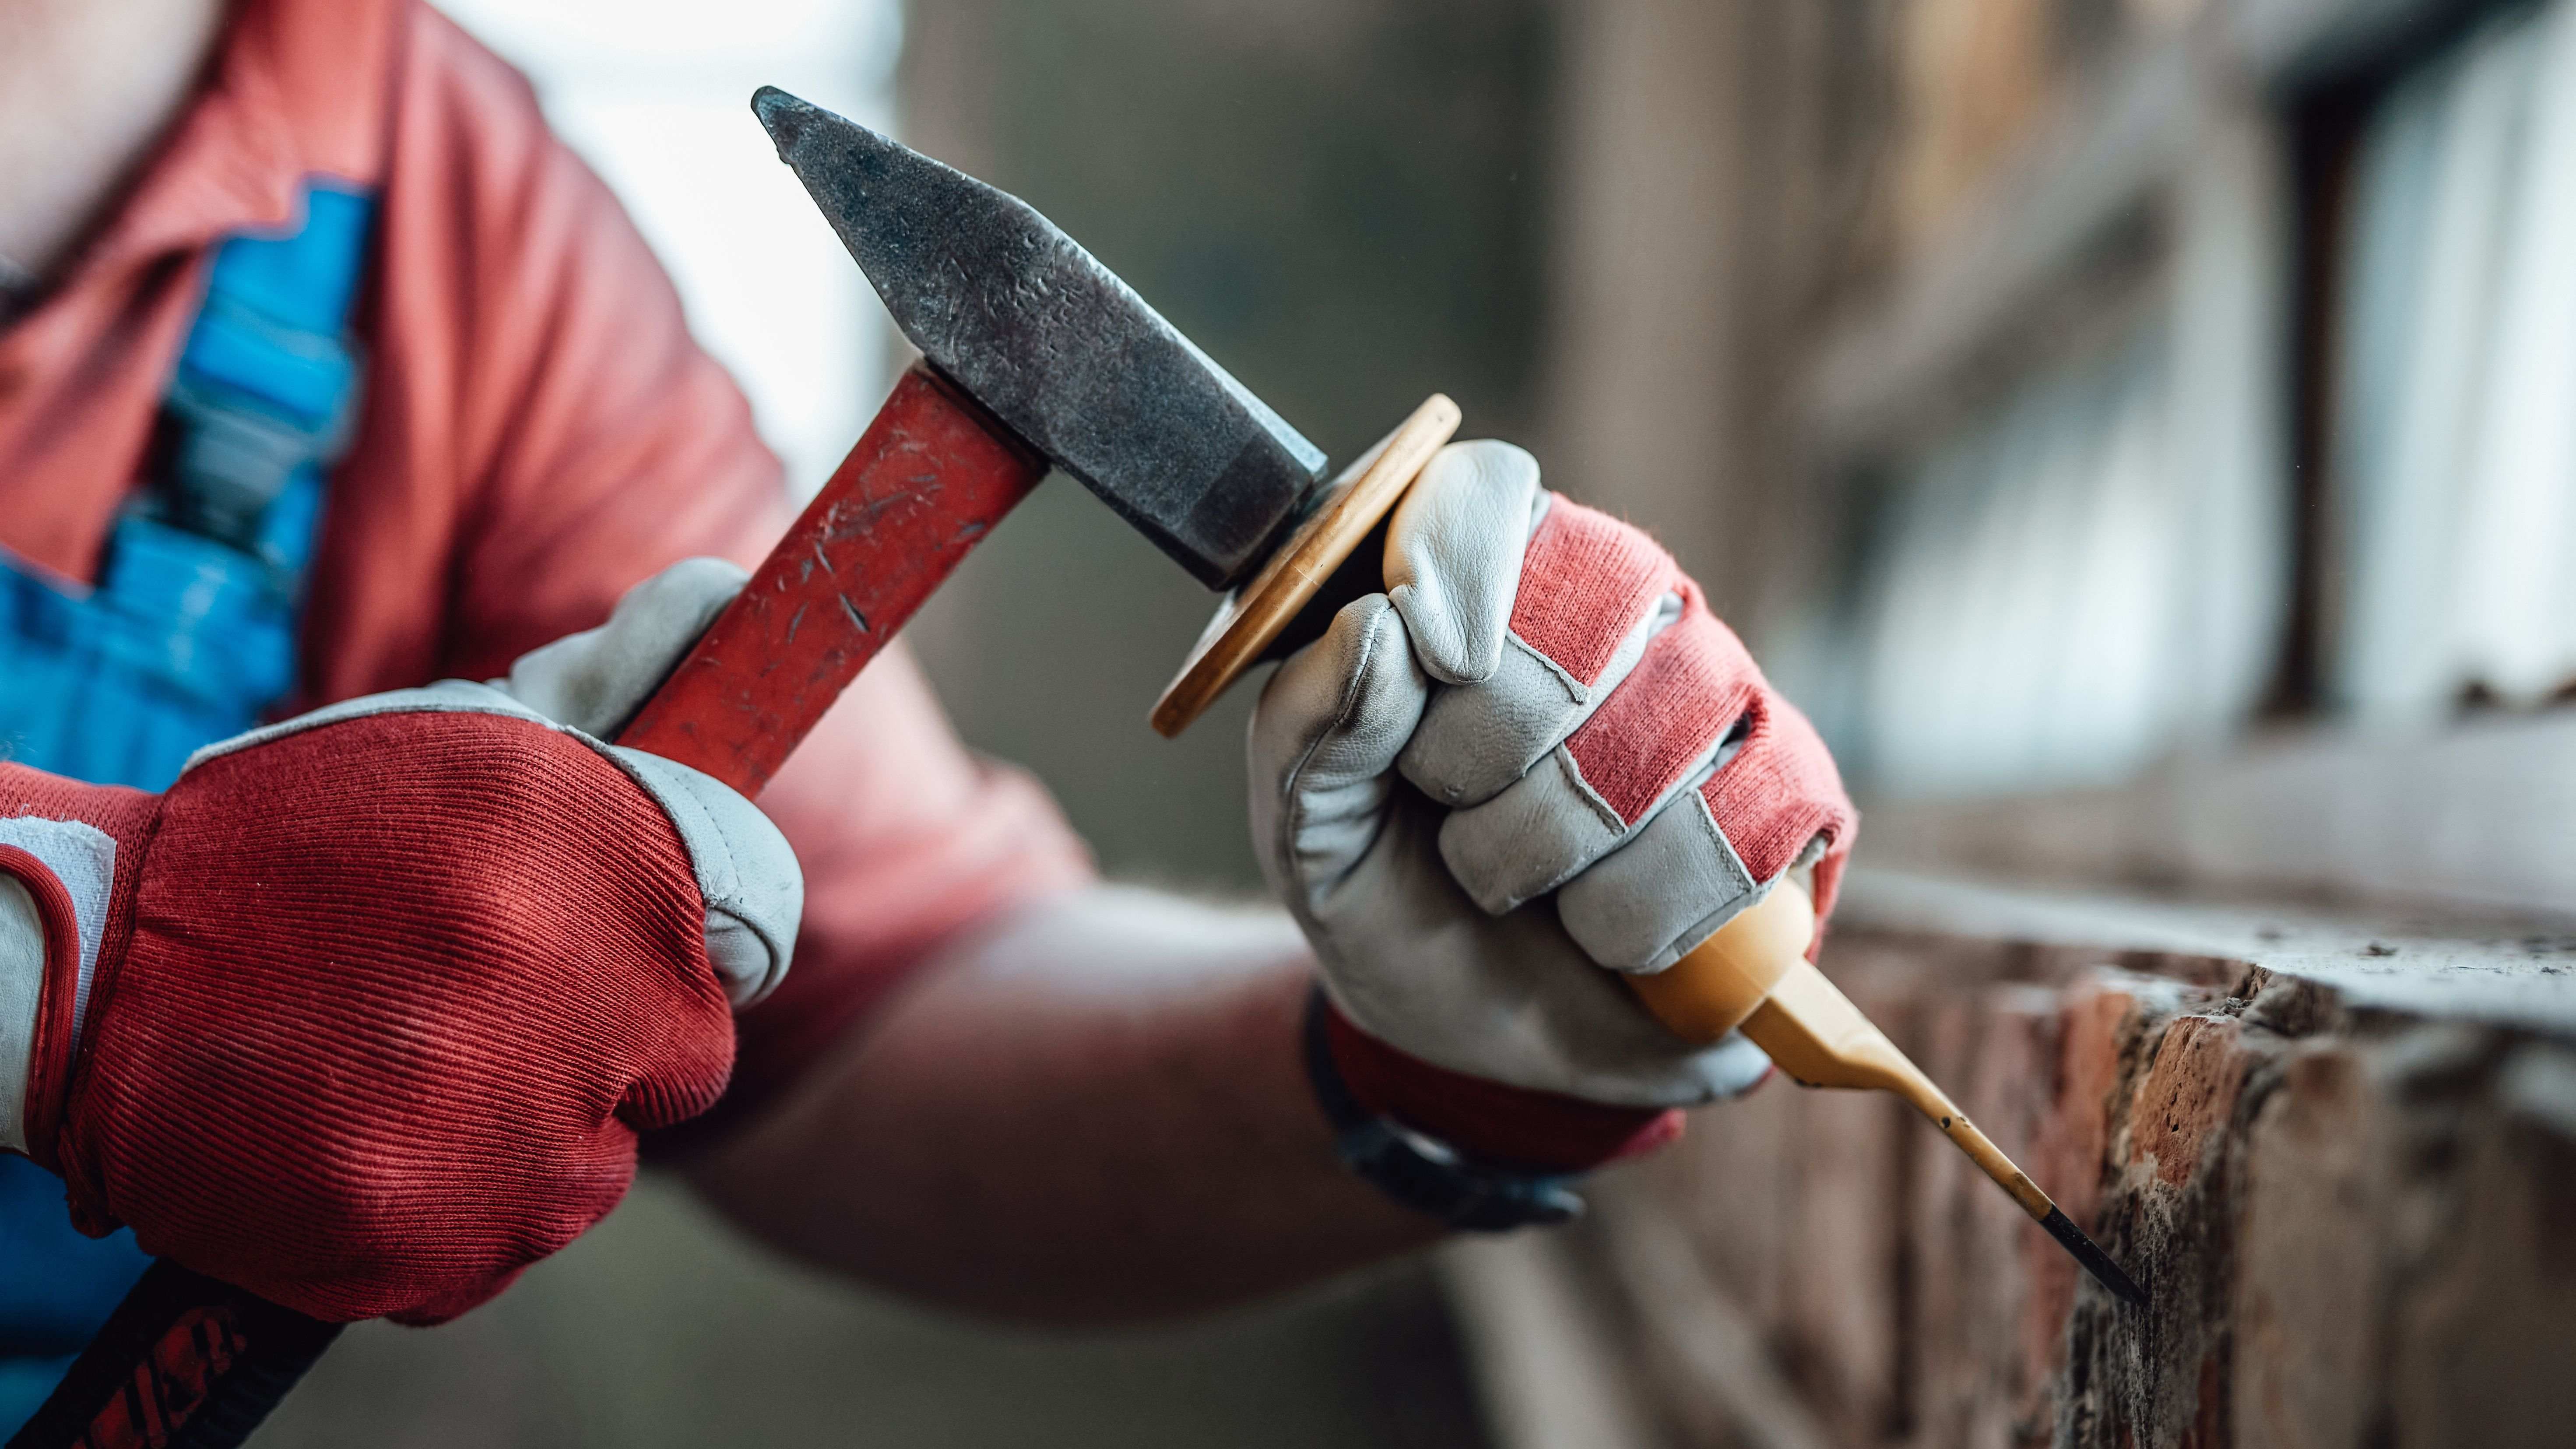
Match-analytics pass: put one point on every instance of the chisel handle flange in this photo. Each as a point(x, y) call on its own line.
point(1249, 619)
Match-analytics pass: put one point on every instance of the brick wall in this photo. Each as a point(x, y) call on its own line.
point(2357, 1215)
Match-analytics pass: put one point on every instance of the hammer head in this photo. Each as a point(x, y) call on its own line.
point(1055, 346)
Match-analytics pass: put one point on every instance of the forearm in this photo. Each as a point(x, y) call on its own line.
point(1097, 1112)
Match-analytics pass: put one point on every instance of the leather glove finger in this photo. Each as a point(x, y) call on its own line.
point(1454, 550)
point(1665, 726)
point(1771, 804)
point(1323, 746)
point(1588, 595)
point(597, 679)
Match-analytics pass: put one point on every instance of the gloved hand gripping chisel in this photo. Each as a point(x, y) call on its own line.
point(1033, 355)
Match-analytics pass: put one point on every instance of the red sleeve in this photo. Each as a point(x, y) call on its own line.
point(593, 443)
point(593, 440)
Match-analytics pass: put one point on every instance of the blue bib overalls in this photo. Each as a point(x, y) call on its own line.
point(189, 636)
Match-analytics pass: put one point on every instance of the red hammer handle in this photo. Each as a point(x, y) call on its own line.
point(929, 478)
point(191, 1363)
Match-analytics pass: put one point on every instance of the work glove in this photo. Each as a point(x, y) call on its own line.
point(1536, 761)
point(365, 1012)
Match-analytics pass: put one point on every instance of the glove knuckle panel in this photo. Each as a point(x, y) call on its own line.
point(1587, 580)
point(1667, 718)
point(1643, 905)
point(1476, 739)
point(1780, 791)
point(1524, 842)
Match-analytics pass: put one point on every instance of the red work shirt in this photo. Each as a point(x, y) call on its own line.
point(538, 432)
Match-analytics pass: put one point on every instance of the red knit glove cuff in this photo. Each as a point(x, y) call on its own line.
point(1501, 1126)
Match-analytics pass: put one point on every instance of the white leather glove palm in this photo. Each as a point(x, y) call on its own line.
point(1356, 849)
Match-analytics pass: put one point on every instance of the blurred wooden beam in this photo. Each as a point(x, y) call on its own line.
point(1701, 1340)
point(1547, 1364)
point(1640, 414)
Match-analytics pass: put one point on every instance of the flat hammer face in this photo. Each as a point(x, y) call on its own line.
point(1055, 346)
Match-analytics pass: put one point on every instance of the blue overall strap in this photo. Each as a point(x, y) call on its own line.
point(267, 386)
point(189, 637)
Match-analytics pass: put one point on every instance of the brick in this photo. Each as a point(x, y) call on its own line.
point(1843, 1340)
point(2484, 1335)
point(2183, 1104)
point(2162, 1379)
point(2311, 1288)
point(2359, 1226)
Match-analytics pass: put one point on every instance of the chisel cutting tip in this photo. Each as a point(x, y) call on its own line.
point(2095, 1261)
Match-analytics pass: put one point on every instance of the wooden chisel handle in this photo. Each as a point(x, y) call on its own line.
point(1753, 976)
point(188, 1362)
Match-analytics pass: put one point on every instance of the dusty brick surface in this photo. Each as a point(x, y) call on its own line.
point(2164, 1376)
point(2311, 1292)
point(2482, 1337)
point(2359, 1228)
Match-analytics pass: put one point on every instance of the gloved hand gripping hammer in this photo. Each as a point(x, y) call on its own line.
point(1033, 356)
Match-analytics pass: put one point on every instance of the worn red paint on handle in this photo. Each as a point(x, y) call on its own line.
point(928, 480)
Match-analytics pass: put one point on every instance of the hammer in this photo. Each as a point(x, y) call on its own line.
point(1033, 356)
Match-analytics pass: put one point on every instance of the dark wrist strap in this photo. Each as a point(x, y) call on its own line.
point(1422, 1172)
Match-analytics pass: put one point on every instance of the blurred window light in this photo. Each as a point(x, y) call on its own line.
point(2091, 572)
point(2027, 616)
point(2454, 446)
point(653, 94)
point(2017, 633)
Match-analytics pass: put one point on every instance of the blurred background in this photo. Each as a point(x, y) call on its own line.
point(2067, 398)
